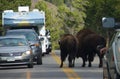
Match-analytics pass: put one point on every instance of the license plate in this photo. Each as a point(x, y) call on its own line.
point(10, 59)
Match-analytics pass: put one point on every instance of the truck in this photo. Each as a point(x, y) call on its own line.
point(26, 19)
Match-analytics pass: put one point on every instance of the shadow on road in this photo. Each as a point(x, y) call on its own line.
point(12, 67)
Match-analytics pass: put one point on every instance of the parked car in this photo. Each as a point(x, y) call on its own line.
point(32, 37)
point(48, 42)
point(111, 60)
point(15, 50)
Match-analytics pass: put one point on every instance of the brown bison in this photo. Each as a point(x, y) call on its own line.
point(89, 44)
point(68, 47)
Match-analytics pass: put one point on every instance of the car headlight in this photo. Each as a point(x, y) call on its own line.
point(37, 44)
point(27, 53)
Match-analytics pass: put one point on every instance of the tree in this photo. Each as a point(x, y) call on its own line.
point(98, 9)
point(53, 23)
point(56, 2)
point(73, 15)
point(11, 5)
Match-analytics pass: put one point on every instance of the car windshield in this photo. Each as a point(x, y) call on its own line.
point(29, 35)
point(12, 42)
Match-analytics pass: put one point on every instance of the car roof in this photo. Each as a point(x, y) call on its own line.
point(21, 30)
point(13, 36)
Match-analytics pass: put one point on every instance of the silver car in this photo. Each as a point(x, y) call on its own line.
point(32, 37)
point(15, 50)
point(111, 61)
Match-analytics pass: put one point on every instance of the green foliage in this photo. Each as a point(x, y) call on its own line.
point(80, 4)
point(53, 23)
point(56, 2)
point(72, 16)
point(98, 9)
point(67, 18)
point(11, 5)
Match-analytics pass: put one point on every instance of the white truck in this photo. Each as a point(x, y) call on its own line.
point(24, 18)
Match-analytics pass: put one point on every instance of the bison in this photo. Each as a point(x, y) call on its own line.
point(89, 44)
point(68, 47)
point(80, 37)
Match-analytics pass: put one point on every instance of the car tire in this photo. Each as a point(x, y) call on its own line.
point(47, 51)
point(39, 59)
point(106, 72)
point(30, 65)
point(50, 50)
point(116, 76)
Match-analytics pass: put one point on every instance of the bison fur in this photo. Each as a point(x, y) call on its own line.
point(68, 47)
point(90, 44)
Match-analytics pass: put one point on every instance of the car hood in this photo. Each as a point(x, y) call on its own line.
point(14, 49)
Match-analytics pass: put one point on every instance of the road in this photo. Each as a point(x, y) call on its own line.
point(50, 70)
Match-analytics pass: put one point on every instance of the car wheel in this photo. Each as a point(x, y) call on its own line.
point(47, 51)
point(39, 59)
point(106, 72)
point(116, 76)
point(30, 65)
point(50, 50)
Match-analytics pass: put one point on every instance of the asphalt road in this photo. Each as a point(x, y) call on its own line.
point(50, 70)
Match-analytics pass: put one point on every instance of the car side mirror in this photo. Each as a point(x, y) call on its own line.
point(108, 22)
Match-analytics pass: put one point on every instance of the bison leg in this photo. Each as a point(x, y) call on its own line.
point(90, 58)
point(84, 58)
point(100, 60)
point(70, 61)
point(61, 65)
point(63, 58)
point(74, 62)
point(90, 64)
point(84, 62)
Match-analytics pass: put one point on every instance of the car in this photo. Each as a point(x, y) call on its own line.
point(15, 50)
point(48, 47)
point(48, 42)
point(32, 37)
point(111, 60)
